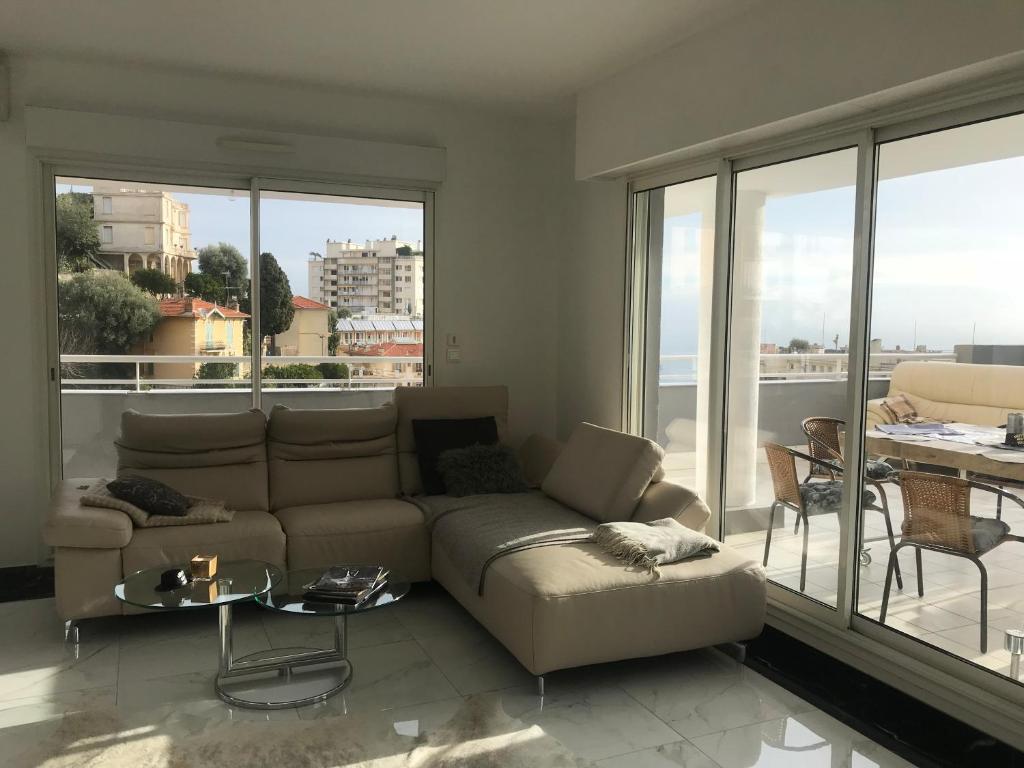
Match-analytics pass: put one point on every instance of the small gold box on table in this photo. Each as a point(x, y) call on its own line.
point(204, 566)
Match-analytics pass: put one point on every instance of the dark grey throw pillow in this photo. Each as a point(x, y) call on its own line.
point(435, 436)
point(481, 469)
point(149, 495)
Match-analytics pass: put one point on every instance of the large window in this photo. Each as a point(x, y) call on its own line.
point(949, 263)
point(837, 376)
point(156, 312)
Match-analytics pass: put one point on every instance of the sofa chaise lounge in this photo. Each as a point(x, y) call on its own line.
point(316, 488)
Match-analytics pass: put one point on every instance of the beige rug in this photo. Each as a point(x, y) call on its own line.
point(480, 735)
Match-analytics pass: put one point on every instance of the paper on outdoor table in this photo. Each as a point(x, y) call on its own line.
point(1009, 457)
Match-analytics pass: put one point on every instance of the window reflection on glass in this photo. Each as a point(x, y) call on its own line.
point(789, 357)
point(947, 351)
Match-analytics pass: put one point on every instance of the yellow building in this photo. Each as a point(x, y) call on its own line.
point(191, 326)
point(308, 333)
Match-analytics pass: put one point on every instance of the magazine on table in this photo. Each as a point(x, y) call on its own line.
point(348, 583)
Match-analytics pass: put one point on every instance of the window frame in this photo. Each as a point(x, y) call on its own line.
point(52, 169)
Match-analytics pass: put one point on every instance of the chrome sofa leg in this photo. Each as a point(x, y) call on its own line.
point(71, 632)
point(540, 686)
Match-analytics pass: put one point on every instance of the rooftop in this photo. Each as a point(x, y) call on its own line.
point(301, 302)
point(188, 306)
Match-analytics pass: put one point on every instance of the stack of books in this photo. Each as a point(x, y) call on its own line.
point(349, 584)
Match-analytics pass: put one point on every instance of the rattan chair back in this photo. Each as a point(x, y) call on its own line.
point(937, 511)
point(782, 465)
point(823, 442)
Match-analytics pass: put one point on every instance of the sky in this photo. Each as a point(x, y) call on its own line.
point(290, 229)
point(949, 262)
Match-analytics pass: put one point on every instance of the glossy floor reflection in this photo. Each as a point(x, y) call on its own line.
point(415, 668)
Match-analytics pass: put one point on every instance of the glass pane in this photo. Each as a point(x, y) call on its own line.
point(792, 273)
point(948, 334)
point(152, 293)
point(682, 247)
point(341, 299)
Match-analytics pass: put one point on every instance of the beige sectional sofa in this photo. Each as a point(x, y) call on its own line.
point(316, 488)
point(964, 392)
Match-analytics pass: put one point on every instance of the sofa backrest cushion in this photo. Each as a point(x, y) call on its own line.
point(341, 454)
point(213, 455)
point(442, 403)
point(965, 392)
point(603, 473)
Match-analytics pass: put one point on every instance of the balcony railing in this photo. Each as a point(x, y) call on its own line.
point(142, 382)
point(779, 366)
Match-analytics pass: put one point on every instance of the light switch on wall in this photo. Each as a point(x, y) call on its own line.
point(450, 340)
point(454, 354)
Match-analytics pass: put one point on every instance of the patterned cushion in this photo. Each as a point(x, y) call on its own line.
point(877, 469)
point(987, 532)
point(479, 469)
point(823, 498)
point(149, 495)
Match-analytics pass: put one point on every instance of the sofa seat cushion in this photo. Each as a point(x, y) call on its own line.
point(251, 535)
point(389, 532)
point(570, 605)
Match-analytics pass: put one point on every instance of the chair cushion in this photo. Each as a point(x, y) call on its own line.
point(602, 473)
point(987, 532)
point(387, 532)
point(825, 497)
point(876, 469)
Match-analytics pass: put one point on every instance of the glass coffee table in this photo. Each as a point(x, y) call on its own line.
point(235, 582)
point(326, 671)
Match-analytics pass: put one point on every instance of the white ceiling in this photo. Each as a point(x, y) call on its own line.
point(533, 54)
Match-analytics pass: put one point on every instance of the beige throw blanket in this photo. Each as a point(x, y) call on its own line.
point(200, 511)
point(650, 545)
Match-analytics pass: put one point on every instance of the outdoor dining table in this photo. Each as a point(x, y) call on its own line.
point(961, 453)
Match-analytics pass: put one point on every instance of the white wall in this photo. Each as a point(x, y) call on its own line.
point(498, 232)
point(781, 60)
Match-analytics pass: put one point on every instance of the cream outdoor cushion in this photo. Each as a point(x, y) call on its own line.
point(963, 392)
point(603, 473)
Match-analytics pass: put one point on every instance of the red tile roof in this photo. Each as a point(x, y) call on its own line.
point(187, 306)
point(301, 302)
point(389, 350)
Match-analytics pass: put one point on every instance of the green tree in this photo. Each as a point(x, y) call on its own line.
point(226, 265)
point(333, 370)
point(293, 371)
point(155, 281)
point(333, 337)
point(276, 308)
point(343, 313)
point(217, 371)
point(104, 312)
point(78, 241)
point(204, 286)
point(403, 250)
point(799, 345)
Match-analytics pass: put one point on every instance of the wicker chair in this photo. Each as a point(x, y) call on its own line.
point(937, 516)
point(823, 443)
point(790, 494)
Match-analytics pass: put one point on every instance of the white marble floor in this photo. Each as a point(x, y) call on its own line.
point(414, 664)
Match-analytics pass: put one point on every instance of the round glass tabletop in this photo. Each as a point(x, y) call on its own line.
point(289, 596)
point(234, 581)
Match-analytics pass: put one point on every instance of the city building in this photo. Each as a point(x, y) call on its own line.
point(142, 229)
point(307, 335)
point(193, 327)
point(376, 277)
point(410, 371)
point(379, 330)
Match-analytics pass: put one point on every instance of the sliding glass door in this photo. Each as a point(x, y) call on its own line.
point(946, 361)
point(788, 364)
point(840, 377)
